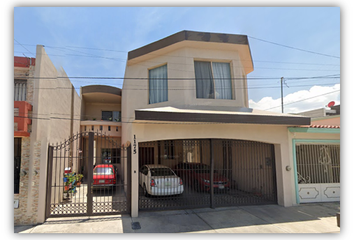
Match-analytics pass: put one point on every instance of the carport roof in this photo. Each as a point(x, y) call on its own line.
point(242, 115)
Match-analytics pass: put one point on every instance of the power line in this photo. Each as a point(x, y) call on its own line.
point(299, 49)
point(104, 122)
point(169, 78)
point(25, 48)
point(193, 89)
point(255, 67)
point(125, 51)
point(304, 99)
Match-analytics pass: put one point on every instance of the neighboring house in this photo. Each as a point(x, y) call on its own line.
point(45, 103)
point(322, 112)
point(185, 100)
point(316, 153)
point(101, 112)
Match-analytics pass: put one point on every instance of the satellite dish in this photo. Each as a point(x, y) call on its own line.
point(331, 104)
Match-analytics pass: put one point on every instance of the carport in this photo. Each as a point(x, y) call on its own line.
point(243, 172)
point(250, 148)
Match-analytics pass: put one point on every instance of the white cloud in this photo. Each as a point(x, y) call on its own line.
point(316, 97)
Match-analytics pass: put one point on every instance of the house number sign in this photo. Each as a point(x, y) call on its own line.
point(134, 145)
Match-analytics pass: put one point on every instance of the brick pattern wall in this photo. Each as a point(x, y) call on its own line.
point(35, 180)
point(30, 83)
point(28, 196)
point(20, 213)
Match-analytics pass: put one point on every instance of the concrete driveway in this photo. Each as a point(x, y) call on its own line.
point(304, 218)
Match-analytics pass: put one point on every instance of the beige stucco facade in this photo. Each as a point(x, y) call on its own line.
point(55, 116)
point(180, 58)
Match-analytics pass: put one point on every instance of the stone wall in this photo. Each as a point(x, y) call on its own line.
point(26, 213)
point(20, 216)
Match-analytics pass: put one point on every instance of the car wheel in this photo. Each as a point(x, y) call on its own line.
point(146, 194)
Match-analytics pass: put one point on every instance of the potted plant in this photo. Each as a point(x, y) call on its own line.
point(79, 179)
point(68, 180)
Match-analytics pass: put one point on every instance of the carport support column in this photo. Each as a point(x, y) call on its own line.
point(211, 173)
point(134, 177)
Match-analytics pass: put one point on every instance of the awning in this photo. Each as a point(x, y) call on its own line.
point(244, 115)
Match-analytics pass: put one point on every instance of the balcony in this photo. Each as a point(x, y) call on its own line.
point(109, 128)
point(21, 118)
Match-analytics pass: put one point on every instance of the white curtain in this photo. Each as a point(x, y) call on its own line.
point(204, 80)
point(158, 90)
point(222, 79)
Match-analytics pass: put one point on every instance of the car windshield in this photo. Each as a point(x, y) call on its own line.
point(161, 172)
point(102, 171)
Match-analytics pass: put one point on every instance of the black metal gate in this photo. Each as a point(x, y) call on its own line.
point(242, 173)
point(87, 175)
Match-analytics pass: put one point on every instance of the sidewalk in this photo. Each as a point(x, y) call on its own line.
point(305, 218)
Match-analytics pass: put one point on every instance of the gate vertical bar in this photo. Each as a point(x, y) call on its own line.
point(49, 181)
point(211, 174)
point(90, 173)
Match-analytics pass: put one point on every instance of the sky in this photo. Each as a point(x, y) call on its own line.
point(300, 44)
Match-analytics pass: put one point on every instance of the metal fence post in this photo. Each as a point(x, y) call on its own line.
point(211, 174)
point(90, 173)
point(49, 181)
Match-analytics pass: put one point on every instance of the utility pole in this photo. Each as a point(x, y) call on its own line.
point(282, 81)
point(282, 105)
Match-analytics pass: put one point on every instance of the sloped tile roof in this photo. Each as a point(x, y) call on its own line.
point(321, 126)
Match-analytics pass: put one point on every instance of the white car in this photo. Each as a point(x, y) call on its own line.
point(159, 180)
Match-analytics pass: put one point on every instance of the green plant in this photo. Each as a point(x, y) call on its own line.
point(93, 119)
point(79, 177)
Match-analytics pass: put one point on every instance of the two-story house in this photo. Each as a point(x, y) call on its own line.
point(185, 102)
point(101, 112)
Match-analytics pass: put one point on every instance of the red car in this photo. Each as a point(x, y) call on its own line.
point(104, 175)
point(198, 176)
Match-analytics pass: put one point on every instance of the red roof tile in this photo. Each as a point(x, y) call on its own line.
point(321, 126)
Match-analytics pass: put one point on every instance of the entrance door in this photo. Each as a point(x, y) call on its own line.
point(318, 172)
point(17, 164)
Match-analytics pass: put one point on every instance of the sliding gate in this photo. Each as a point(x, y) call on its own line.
point(75, 187)
point(242, 173)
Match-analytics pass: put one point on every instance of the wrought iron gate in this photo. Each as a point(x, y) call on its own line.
point(87, 175)
point(242, 173)
point(318, 172)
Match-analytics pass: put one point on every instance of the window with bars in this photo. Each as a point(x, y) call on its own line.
point(20, 89)
point(110, 155)
point(318, 163)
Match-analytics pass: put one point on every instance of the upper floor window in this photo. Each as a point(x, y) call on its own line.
point(213, 80)
point(20, 90)
point(158, 89)
point(111, 116)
